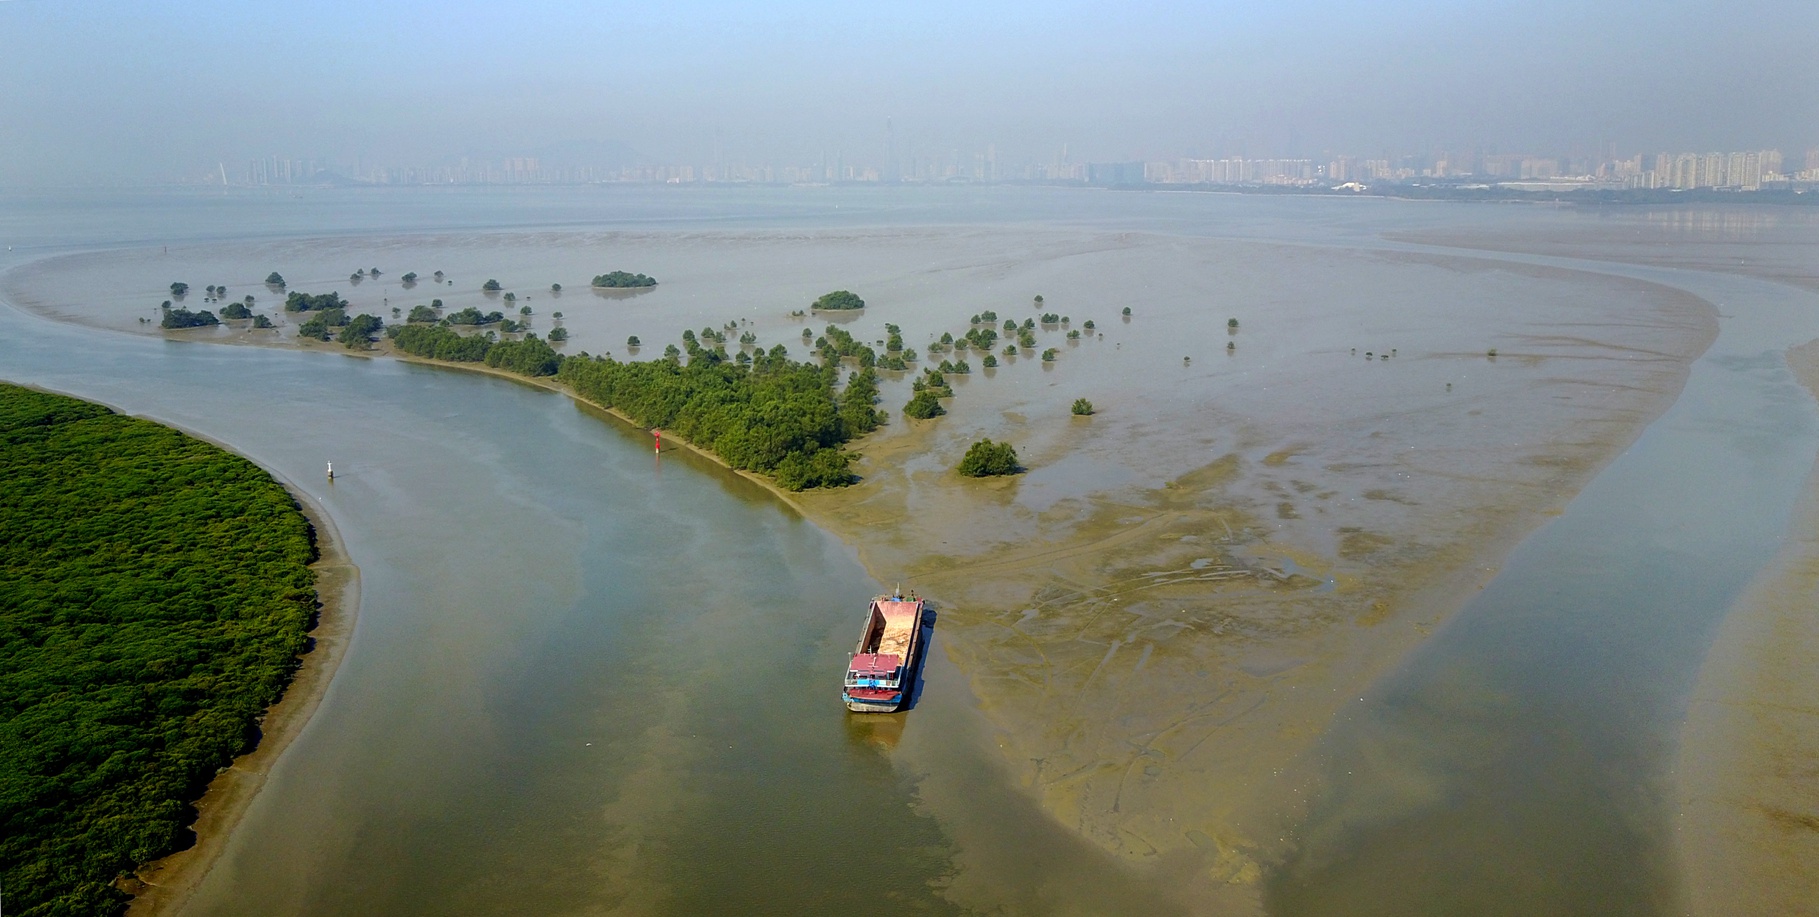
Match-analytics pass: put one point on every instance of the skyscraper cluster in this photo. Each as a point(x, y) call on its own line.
point(1234, 171)
point(1743, 171)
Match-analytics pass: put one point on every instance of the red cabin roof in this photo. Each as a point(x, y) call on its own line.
point(870, 664)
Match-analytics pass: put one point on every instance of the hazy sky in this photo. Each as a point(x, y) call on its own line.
point(141, 90)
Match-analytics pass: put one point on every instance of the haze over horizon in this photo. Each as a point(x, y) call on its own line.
point(107, 91)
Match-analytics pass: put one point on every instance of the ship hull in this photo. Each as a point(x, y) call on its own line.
point(883, 666)
point(859, 706)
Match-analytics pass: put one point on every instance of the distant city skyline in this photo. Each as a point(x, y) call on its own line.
point(1747, 170)
point(108, 91)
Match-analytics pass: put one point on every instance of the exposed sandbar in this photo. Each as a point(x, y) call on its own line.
point(1157, 654)
point(1748, 769)
point(1773, 243)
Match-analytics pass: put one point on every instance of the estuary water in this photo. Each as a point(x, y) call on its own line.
point(587, 678)
point(1520, 763)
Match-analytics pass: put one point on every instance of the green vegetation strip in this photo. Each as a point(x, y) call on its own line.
point(154, 596)
point(765, 413)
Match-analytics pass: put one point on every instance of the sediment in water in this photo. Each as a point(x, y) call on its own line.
point(1748, 767)
point(1167, 610)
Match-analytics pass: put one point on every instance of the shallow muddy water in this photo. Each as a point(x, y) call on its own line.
point(1520, 763)
point(589, 679)
point(584, 676)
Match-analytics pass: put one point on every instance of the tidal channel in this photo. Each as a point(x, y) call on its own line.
point(589, 678)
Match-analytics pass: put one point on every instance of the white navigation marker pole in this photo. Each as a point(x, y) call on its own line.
point(331, 471)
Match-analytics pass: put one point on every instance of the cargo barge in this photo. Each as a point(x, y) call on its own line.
point(878, 677)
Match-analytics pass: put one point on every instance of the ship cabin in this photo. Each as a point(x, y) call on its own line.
point(881, 673)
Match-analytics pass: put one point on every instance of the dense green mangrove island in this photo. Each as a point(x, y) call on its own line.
point(616, 280)
point(762, 412)
point(838, 301)
point(304, 302)
point(155, 593)
point(184, 318)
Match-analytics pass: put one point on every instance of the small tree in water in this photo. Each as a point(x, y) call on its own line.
point(986, 458)
point(923, 405)
point(1083, 407)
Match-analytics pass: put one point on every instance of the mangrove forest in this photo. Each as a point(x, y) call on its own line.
point(616, 280)
point(838, 301)
point(762, 412)
point(155, 593)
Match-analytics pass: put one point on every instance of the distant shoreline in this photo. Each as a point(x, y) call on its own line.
point(1465, 191)
point(1490, 194)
